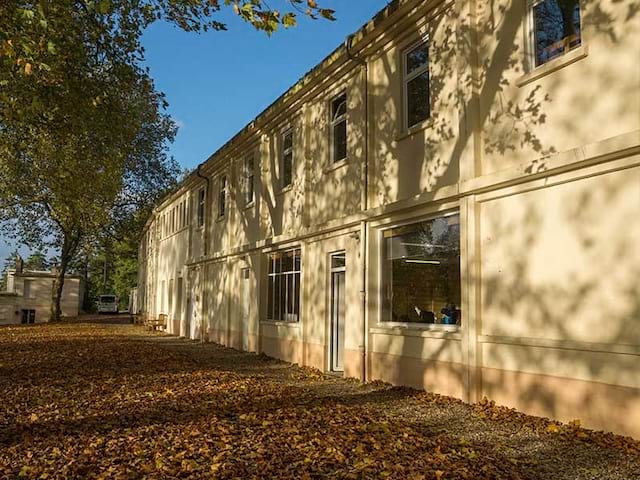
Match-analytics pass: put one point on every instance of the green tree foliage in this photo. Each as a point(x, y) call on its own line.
point(9, 263)
point(37, 261)
point(83, 132)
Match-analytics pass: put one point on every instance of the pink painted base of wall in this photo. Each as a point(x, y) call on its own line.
point(597, 405)
point(233, 339)
point(283, 348)
point(439, 377)
point(315, 356)
point(353, 364)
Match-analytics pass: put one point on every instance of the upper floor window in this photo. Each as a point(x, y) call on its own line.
point(222, 196)
point(287, 158)
point(248, 174)
point(416, 84)
point(201, 200)
point(339, 127)
point(554, 29)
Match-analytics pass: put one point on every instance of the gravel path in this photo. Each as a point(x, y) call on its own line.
point(114, 401)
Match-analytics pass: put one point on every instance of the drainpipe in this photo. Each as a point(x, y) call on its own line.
point(205, 251)
point(365, 205)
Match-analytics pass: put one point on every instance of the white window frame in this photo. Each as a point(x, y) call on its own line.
point(285, 152)
point(380, 322)
point(290, 318)
point(333, 122)
point(530, 44)
point(406, 78)
point(222, 196)
point(248, 179)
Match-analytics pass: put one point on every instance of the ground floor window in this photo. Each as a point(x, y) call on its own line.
point(421, 272)
point(283, 292)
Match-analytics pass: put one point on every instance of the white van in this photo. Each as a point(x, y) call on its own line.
point(108, 304)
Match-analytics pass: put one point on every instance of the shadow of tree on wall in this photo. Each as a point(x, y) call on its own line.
point(481, 122)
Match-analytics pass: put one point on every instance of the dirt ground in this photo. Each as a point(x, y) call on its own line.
point(84, 400)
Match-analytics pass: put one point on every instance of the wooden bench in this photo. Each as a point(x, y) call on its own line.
point(159, 323)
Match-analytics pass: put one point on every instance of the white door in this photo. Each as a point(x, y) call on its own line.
point(338, 280)
point(246, 307)
point(192, 319)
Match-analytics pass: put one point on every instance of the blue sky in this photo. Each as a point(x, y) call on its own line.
point(218, 82)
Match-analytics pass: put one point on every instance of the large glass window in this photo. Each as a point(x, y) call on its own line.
point(421, 272)
point(555, 28)
point(416, 84)
point(283, 291)
point(339, 127)
point(287, 158)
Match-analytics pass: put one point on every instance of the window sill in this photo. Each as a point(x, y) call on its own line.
point(427, 330)
point(336, 165)
point(280, 323)
point(428, 123)
point(284, 190)
point(557, 63)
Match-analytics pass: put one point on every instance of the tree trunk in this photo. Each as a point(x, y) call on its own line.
point(69, 246)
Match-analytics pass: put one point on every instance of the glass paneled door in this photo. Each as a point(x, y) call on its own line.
point(338, 271)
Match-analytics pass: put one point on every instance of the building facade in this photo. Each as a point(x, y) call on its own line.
point(449, 201)
point(29, 294)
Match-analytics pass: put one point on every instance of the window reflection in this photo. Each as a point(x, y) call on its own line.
point(556, 26)
point(421, 272)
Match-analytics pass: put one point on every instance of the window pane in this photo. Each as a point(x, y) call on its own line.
point(421, 273)
point(296, 297)
point(556, 28)
point(418, 99)
point(290, 297)
point(201, 195)
point(248, 179)
point(283, 286)
point(270, 291)
point(339, 106)
point(340, 141)
point(297, 260)
point(277, 296)
point(338, 260)
point(287, 261)
point(249, 189)
point(287, 169)
point(417, 58)
point(287, 141)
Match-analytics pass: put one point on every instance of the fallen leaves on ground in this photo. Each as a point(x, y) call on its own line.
point(94, 401)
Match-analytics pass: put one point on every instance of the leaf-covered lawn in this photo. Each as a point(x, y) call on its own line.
point(98, 401)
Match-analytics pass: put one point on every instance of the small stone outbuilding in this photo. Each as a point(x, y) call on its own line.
point(29, 294)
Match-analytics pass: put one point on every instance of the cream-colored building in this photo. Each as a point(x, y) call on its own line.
point(450, 201)
point(29, 294)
